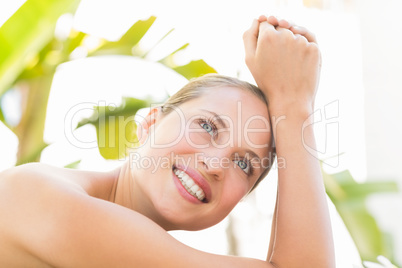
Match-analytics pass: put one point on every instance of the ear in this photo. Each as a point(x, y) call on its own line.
point(147, 122)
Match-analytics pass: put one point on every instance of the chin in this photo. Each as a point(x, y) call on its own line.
point(174, 222)
point(188, 227)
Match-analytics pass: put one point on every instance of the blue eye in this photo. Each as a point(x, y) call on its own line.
point(208, 128)
point(243, 165)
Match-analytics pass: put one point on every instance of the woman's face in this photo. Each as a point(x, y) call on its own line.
point(202, 158)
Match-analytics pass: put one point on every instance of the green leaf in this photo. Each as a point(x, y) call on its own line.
point(136, 32)
point(363, 229)
point(73, 165)
point(333, 188)
point(25, 33)
point(74, 40)
point(126, 43)
point(157, 43)
point(357, 190)
point(2, 119)
point(45, 62)
point(194, 69)
point(115, 127)
point(168, 60)
point(191, 70)
point(344, 177)
point(351, 188)
point(349, 198)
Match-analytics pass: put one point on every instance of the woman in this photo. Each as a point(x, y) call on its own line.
point(211, 144)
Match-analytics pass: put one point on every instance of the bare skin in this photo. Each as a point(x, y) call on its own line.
point(55, 217)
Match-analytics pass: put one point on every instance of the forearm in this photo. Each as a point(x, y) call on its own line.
point(302, 229)
point(285, 62)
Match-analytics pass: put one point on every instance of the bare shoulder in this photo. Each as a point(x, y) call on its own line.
point(54, 225)
point(29, 196)
point(43, 176)
point(33, 172)
point(34, 178)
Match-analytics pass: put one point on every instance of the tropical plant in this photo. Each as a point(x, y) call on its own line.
point(349, 198)
point(28, 60)
point(383, 263)
point(30, 54)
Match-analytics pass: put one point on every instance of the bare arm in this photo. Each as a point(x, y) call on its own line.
point(62, 226)
point(286, 67)
point(68, 228)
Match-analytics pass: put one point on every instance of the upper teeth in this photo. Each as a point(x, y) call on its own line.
point(190, 185)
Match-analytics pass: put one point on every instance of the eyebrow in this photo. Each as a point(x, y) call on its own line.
point(217, 118)
point(253, 156)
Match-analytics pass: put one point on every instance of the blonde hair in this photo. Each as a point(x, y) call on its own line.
point(198, 86)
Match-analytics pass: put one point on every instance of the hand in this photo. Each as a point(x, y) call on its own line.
point(285, 62)
point(297, 30)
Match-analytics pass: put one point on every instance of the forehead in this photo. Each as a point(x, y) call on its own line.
point(229, 100)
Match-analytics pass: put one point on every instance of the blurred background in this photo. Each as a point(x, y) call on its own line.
point(68, 69)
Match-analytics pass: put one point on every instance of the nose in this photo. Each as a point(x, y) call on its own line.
point(213, 166)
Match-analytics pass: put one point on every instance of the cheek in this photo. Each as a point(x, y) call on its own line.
point(169, 132)
point(167, 137)
point(176, 135)
point(197, 138)
point(234, 190)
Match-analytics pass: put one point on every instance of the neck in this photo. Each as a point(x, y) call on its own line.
point(124, 188)
point(129, 193)
point(101, 185)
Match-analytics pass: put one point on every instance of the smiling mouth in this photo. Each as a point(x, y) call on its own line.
point(190, 185)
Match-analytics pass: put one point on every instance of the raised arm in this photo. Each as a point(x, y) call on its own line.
point(52, 220)
point(285, 62)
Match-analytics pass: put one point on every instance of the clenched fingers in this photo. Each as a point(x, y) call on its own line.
point(304, 32)
point(250, 38)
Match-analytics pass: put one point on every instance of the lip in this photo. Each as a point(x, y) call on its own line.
point(198, 179)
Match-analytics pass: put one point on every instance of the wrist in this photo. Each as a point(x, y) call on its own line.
point(302, 110)
point(291, 121)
